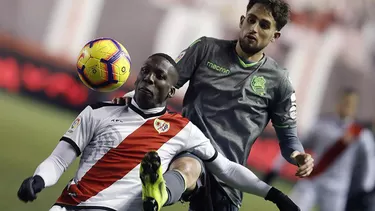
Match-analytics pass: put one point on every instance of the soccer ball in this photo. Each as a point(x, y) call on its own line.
point(103, 65)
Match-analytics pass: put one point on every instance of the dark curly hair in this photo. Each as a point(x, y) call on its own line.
point(280, 10)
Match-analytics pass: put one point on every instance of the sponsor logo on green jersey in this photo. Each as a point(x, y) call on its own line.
point(217, 68)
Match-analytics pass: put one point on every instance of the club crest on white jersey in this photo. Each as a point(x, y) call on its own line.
point(161, 126)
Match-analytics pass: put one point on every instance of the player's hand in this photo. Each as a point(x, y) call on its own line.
point(305, 163)
point(121, 100)
point(282, 201)
point(30, 187)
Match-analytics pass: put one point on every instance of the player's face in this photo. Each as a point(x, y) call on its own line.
point(154, 83)
point(348, 105)
point(257, 29)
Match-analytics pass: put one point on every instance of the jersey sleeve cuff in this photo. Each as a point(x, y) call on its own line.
point(212, 158)
point(284, 126)
point(73, 144)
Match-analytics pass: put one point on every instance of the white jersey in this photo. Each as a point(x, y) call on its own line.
point(330, 186)
point(339, 174)
point(113, 140)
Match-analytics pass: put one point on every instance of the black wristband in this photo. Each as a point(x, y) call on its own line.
point(273, 195)
point(38, 183)
point(282, 201)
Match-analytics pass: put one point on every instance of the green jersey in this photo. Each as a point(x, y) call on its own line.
point(232, 100)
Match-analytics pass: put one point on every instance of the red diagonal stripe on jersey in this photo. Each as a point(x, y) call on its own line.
point(117, 162)
point(331, 154)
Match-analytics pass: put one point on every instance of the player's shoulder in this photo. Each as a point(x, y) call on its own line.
point(185, 124)
point(213, 42)
point(366, 140)
point(273, 65)
point(367, 133)
point(176, 119)
point(104, 104)
point(176, 116)
point(277, 73)
point(105, 108)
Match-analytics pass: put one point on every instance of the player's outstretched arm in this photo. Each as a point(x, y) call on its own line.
point(48, 172)
point(237, 176)
point(283, 115)
point(70, 146)
point(242, 178)
point(292, 150)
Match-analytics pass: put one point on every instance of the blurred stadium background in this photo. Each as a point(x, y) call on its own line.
point(329, 44)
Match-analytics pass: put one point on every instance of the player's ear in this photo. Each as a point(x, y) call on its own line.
point(275, 36)
point(242, 18)
point(172, 92)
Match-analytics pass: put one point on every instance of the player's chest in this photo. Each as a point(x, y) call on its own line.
point(117, 129)
point(136, 131)
point(131, 138)
point(230, 80)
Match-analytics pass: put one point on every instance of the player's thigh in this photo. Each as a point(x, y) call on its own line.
point(190, 165)
point(304, 195)
point(211, 197)
point(207, 195)
point(197, 195)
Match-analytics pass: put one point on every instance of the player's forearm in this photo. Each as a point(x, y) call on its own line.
point(238, 176)
point(289, 142)
point(54, 166)
point(50, 171)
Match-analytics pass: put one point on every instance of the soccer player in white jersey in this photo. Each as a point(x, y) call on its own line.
point(344, 151)
point(113, 140)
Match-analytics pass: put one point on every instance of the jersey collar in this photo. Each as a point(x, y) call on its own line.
point(247, 64)
point(147, 113)
point(244, 62)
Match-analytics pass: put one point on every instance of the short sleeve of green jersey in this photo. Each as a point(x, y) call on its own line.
point(284, 110)
point(189, 59)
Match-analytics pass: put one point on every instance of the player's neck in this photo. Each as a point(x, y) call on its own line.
point(249, 57)
point(147, 108)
